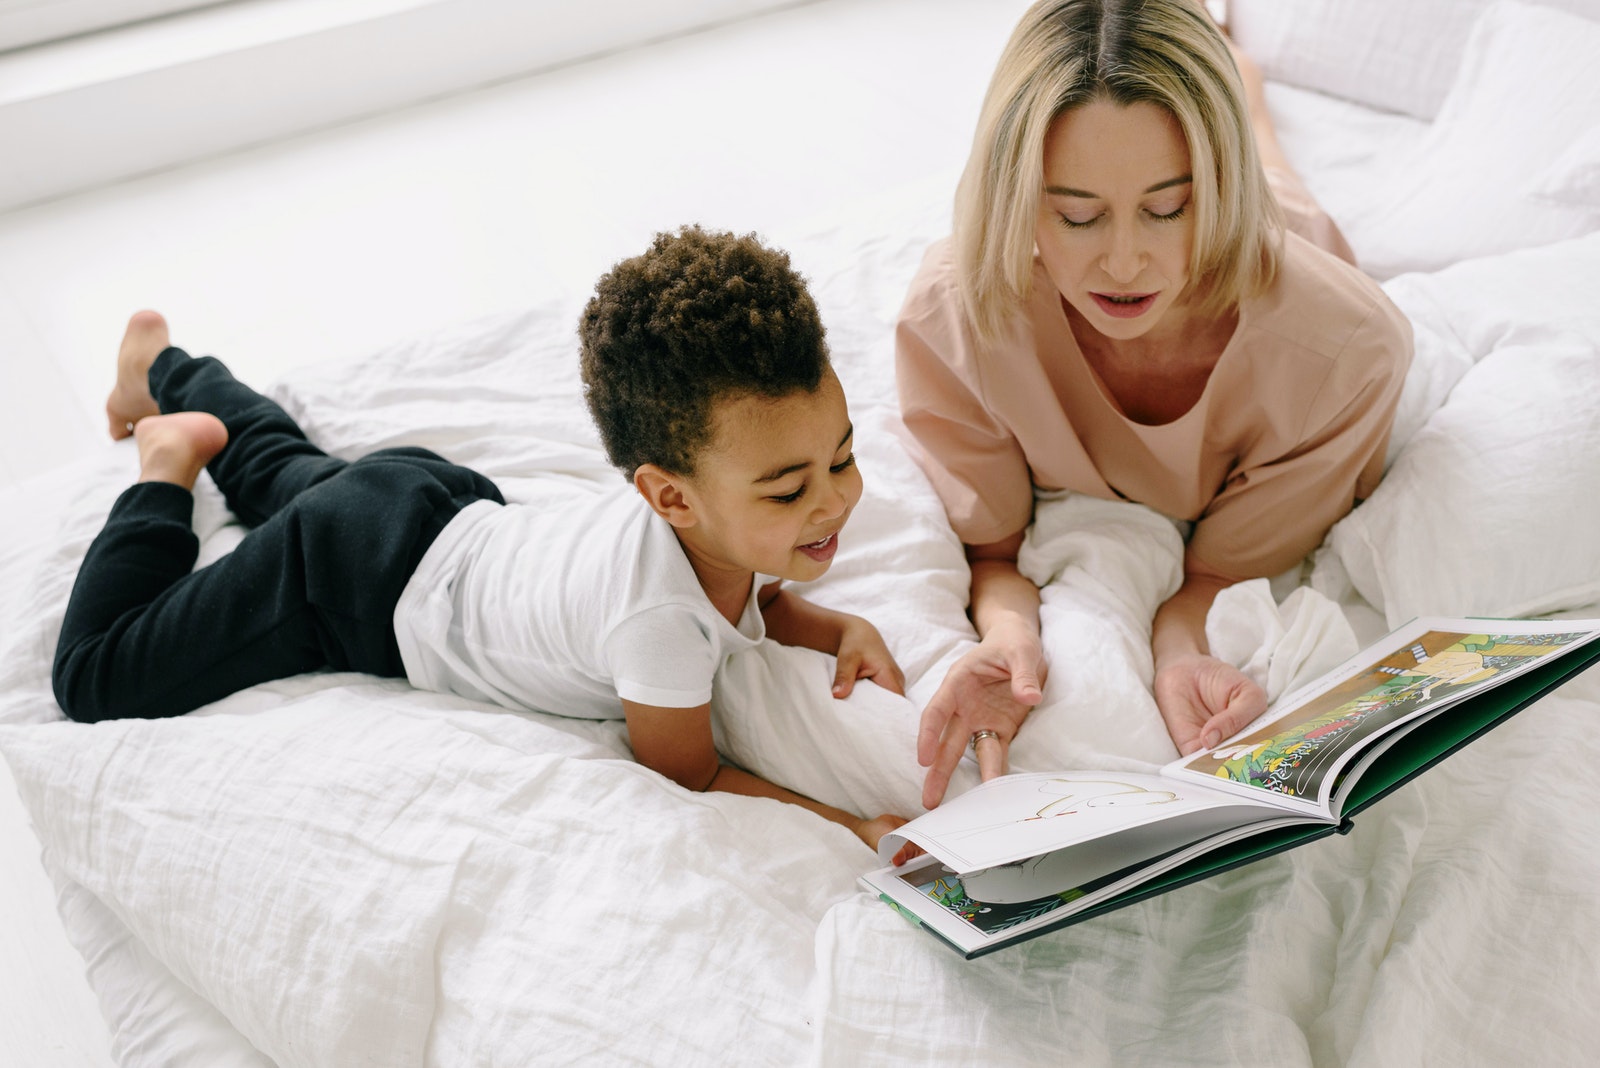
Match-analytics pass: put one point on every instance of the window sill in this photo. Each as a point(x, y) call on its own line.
point(88, 111)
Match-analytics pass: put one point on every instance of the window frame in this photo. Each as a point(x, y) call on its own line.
point(31, 22)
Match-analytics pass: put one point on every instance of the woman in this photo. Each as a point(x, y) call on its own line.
point(1126, 309)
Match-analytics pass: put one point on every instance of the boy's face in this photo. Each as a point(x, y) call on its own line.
point(775, 485)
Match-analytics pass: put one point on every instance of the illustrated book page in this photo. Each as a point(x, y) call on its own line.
point(1023, 853)
point(1314, 744)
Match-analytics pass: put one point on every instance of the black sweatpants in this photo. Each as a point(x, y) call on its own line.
point(313, 585)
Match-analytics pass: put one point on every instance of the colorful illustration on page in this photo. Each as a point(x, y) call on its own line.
point(1293, 758)
point(945, 889)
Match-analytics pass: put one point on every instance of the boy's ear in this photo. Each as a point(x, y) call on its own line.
point(664, 492)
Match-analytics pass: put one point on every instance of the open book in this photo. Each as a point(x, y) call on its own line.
point(1024, 854)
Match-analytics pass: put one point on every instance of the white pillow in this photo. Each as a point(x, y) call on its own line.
point(1394, 56)
point(1463, 313)
point(1528, 88)
point(1575, 177)
point(1398, 55)
point(1492, 507)
point(1490, 500)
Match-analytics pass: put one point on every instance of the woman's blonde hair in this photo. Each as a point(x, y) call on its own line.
point(1067, 53)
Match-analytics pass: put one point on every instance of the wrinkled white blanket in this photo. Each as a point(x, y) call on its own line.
point(339, 870)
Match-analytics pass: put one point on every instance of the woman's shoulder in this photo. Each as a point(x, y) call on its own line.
point(932, 335)
point(934, 314)
point(935, 288)
point(1325, 305)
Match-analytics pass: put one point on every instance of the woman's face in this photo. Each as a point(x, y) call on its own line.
point(1115, 225)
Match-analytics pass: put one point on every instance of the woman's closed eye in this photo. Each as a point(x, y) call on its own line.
point(1083, 223)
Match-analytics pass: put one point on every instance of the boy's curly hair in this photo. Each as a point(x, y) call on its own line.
point(698, 317)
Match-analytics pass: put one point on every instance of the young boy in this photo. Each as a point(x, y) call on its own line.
point(706, 370)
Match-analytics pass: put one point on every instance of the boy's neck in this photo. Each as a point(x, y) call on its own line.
point(728, 589)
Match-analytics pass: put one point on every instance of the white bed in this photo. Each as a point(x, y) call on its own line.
point(337, 870)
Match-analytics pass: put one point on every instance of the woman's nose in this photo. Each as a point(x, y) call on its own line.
point(1123, 259)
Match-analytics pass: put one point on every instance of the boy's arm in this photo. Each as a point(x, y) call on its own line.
point(862, 653)
point(676, 742)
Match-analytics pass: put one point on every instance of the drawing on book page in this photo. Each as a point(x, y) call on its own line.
point(1291, 756)
point(1071, 797)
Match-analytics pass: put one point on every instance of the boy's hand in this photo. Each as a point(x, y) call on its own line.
point(872, 831)
point(864, 655)
point(860, 649)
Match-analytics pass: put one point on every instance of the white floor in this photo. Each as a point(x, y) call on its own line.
point(336, 243)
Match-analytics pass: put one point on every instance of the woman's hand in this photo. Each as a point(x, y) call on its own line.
point(993, 687)
point(1204, 700)
point(863, 654)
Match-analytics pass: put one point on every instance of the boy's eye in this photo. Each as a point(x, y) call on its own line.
point(789, 498)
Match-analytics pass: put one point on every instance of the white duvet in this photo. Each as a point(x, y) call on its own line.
point(338, 870)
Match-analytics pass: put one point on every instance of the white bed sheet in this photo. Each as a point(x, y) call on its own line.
point(340, 870)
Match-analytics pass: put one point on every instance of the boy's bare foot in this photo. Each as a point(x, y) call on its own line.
point(130, 399)
point(176, 448)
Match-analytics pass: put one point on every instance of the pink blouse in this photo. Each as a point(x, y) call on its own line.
point(1289, 432)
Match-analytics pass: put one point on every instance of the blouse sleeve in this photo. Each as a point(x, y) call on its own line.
point(1272, 512)
point(972, 459)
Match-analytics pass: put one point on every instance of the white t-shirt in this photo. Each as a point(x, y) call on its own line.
point(565, 609)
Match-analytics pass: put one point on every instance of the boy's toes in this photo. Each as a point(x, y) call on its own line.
point(130, 400)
